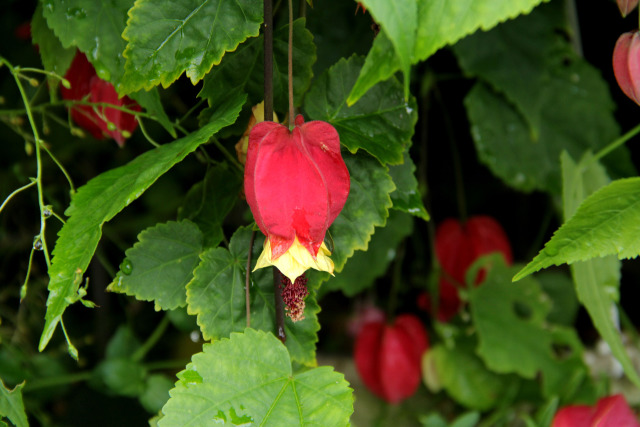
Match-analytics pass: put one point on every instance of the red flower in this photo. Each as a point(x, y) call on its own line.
point(100, 121)
point(458, 245)
point(626, 64)
point(611, 411)
point(296, 184)
point(388, 357)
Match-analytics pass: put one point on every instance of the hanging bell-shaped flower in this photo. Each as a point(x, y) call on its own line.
point(296, 184)
point(626, 64)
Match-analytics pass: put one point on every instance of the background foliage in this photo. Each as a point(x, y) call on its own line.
point(123, 268)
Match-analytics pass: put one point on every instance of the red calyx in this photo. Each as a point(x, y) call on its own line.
point(86, 85)
point(626, 64)
point(611, 411)
point(388, 357)
point(458, 245)
point(296, 182)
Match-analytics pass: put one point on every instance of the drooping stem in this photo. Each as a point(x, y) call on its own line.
point(268, 60)
point(247, 280)
point(279, 304)
point(155, 336)
point(290, 65)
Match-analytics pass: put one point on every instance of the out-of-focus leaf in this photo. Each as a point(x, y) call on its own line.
point(121, 376)
point(217, 296)
point(159, 266)
point(55, 57)
point(564, 302)
point(381, 123)
point(247, 379)
point(123, 343)
point(166, 38)
point(208, 203)
point(243, 69)
point(512, 331)
point(156, 392)
point(11, 405)
point(100, 200)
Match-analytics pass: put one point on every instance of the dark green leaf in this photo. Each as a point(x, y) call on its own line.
point(120, 376)
point(564, 303)
point(156, 393)
point(123, 343)
point(243, 70)
point(406, 197)
point(217, 296)
point(381, 123)
point(55, 57)
point(208, 203)
point(11, 405)
point(100, 200)
point(159, 266)
point(166, 38)
point(366, 266)
point(248, 380)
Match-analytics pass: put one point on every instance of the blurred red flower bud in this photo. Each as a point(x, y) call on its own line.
point(611, 411)
point(388, 357)
point(101, 121)
point(626, 64)
point(23, 31)
point(626, 6)
point(458, 245)
point(296, 184)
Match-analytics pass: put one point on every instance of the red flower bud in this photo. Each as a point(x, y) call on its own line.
point(296, 184)
point(458, 245)
point(100, 121)
point(611, 411)
point(388, 357)
point(626, 6)
point(626, 64)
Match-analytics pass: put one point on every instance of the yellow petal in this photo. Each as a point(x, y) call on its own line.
point(296, 260)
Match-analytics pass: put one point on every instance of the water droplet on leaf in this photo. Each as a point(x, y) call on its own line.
point(126, 267)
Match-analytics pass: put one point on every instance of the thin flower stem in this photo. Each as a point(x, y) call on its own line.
point(247, 280)
point(38, 145)
point(152, 340)
point(615, 144)
point(290, 66)
point(226, 153)
point(10, 196)
point(58, 380)
point(268, 60)
point(146, 135)
point(40, 71)
point(279, 305)
point(191, 110)
point(62, 169)
point(23, 288)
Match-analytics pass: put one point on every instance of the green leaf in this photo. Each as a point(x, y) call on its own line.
point(400, 23)
point(121, 376)
point(597, 280)
point(606, 223)
point(159, 266)
point(381, 123)
point(547, 100)
point(406, 197)
point(95, 27)
point(217, 296)
point(100, 200)
point(55, 57)
point(367, 207)
point(440, 22)
point(11, 405)
point(512, 331)
point(123, 343)
point(243, 70)
point(248, 380)
point(365, 267)
point(166, 38)
point(564, 302)
point(464, 377)
point(208, 202)
point(156, 393)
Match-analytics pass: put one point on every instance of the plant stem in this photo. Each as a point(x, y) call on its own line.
point(268, 60)
point(37, 144)
point(56, 381)
point(290, 66)
point(396, 279)
point(615, 144)
point(247, 280)
point(152, 340)
point(10, 196)
point(279, 305)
